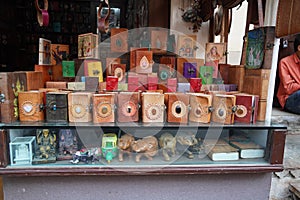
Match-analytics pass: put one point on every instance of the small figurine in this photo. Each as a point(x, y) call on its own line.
point(67, 144)
point(124, 144)
point(46, 151)
point(86, 155)
point(109, 146)
point(147, 147)
point(167, 143)
point(189, 142)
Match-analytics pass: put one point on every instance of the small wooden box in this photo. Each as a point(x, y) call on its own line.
point(112, 83)
point(195, 84)
point(144, 61)
point(236, 76)
point(47, 74)
point(93, 68)
point(55, 84)
point(109, 63)
point(128, 107)
point(91, 84)
point(34, 80)
point(262, 109)
point(9, 113)
point(104, 108)
point(6, 86)
point(31, 106)
point(178, 108)
point(257, 82)
point(118, 70)
point(201, 107)
point(76, 86)
point(247, 106)
point(87, 46)
point(119, 38)
point(153, 107)
point(180, 67)
point(223, 106)
point(57, 106)
point(80, 108)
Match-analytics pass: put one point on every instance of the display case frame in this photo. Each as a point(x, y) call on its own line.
point(274, 134)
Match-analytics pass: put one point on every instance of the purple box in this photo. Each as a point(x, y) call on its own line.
point(189, 70)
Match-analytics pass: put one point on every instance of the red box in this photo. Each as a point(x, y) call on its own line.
point(195, 84)
point(111, 83)
point(172, 84)
point(152, 82)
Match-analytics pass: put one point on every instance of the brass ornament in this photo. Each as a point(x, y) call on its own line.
point(178, 109)
point(129, 109)
point(241, 111)
point(104, 109)
point(154, 111)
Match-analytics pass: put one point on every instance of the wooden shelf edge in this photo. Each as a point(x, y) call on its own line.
point(107, 171)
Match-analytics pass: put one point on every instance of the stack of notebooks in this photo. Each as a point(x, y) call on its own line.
point(237, 146)
point(246, 147)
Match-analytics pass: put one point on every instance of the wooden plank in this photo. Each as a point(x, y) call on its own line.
point(275, 146)
point(3, 149)
point(295, 189)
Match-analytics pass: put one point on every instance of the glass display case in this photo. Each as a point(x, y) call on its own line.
point(143, 148)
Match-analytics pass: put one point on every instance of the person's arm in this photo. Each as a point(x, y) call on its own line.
point(288, 82)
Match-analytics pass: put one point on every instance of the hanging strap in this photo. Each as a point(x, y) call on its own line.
point(103, 22)
point(42, 14)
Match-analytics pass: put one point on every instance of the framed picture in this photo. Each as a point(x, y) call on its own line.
point(186, 46)
point(159, 39)
point(44, 52)
point(215, 54)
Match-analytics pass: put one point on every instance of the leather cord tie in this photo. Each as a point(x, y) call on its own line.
point(42, 14)
point(103, 22)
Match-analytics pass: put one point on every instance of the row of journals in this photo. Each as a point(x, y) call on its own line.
point(146, 107)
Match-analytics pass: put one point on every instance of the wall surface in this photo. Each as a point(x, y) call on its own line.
point(208, 187)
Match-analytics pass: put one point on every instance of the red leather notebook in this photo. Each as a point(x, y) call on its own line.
point(247, 105)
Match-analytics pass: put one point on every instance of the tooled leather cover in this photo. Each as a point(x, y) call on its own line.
point(34, 80)
point(119, 38)
point(118, 70)
point(103, 108)
point(144, 62)
point(31, 106)
point(200, 108)
point(178, 108)
point(287, 22)
point(223, 108)
point(245, 113)
point(57, 106)
point(133, 51)
point(79, 107)
point(168, 60)
point(165, 72)
point(109, 62)
point(6, 86)
point(128, 107)
point(153, 107)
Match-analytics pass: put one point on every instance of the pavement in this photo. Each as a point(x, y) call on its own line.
point(283, 181)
